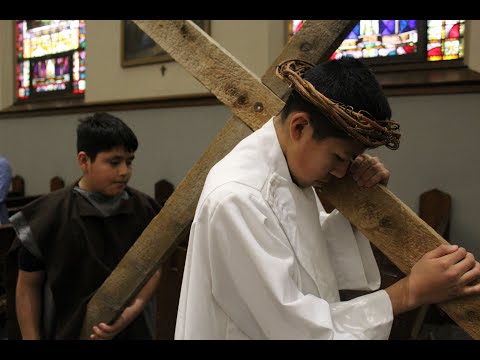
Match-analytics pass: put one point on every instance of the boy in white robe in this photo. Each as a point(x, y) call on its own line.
point(265, 261)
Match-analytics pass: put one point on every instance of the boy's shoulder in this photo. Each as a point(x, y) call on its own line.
point(45, 212)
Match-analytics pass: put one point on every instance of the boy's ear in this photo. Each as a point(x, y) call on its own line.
point(83, 160)
point(298, 124)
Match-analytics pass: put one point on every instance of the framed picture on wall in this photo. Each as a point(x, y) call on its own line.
point(139, 49)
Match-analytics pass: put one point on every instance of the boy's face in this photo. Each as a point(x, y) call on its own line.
point(314, 163)
point(109, 173)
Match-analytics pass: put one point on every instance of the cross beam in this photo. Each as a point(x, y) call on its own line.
point(253, 102)
point(400, 234)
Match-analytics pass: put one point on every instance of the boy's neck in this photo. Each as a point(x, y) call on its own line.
point(82, 184)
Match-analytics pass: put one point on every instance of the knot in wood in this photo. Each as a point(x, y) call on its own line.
point(242, 100)
point(258, 107)
point(306, 47)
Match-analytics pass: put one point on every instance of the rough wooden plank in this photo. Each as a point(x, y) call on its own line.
point(400, 234)
point(129, 275)
point(159, 238)
point(230, 81)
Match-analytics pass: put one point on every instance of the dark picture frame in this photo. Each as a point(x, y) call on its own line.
point(139, 49)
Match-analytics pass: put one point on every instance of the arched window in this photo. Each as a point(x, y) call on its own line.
point(50, 59)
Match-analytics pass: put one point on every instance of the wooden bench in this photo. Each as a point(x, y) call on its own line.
point(15, 201)
point(15, 204)
point(163, 190)
point(20, 200)
point(17, 186)
point(168, 290)
point(56, 183)
point(168, 293)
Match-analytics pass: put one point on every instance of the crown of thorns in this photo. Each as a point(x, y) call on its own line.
point(359, 125)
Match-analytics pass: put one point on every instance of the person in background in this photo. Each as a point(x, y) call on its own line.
point(5, 181)
point(69, 241)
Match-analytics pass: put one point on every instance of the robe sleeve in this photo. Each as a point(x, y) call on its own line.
point(350, 253)
point(253, 270)
point(33, 225)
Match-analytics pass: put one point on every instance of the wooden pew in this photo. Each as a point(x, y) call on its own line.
point(15, 204)
point(56, 183)
point(19, 201)
point(163, 190)
point(16, 197)
point(17, 186)
point(168, 291)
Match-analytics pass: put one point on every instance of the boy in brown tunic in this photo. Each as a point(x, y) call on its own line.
point(69, 241)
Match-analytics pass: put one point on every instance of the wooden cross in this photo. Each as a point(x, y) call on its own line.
point(388, 223)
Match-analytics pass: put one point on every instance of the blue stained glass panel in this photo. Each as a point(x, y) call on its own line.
point(354, 33)
point(387, 27)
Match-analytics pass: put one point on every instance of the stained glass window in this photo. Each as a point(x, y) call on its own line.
point(50, 58)
point(445, 39)
point(385, 38)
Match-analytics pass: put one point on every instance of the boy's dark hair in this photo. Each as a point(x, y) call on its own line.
point(347, 81)
point(103, 132)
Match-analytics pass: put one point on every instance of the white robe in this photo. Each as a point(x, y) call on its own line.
point(265, 261)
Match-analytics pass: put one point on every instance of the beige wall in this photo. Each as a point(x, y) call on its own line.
point(439, 146)
point(7, 56)
point(472, 51)
point(254, 42)
point(439, 149)
point(107, 80)
point(170, 142)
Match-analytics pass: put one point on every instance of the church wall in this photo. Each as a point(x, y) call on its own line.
point(439, 147)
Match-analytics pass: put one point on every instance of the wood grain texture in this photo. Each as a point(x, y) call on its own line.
point(159, 239)
point(400, 234)
point(230, 81)
point(392, 234)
